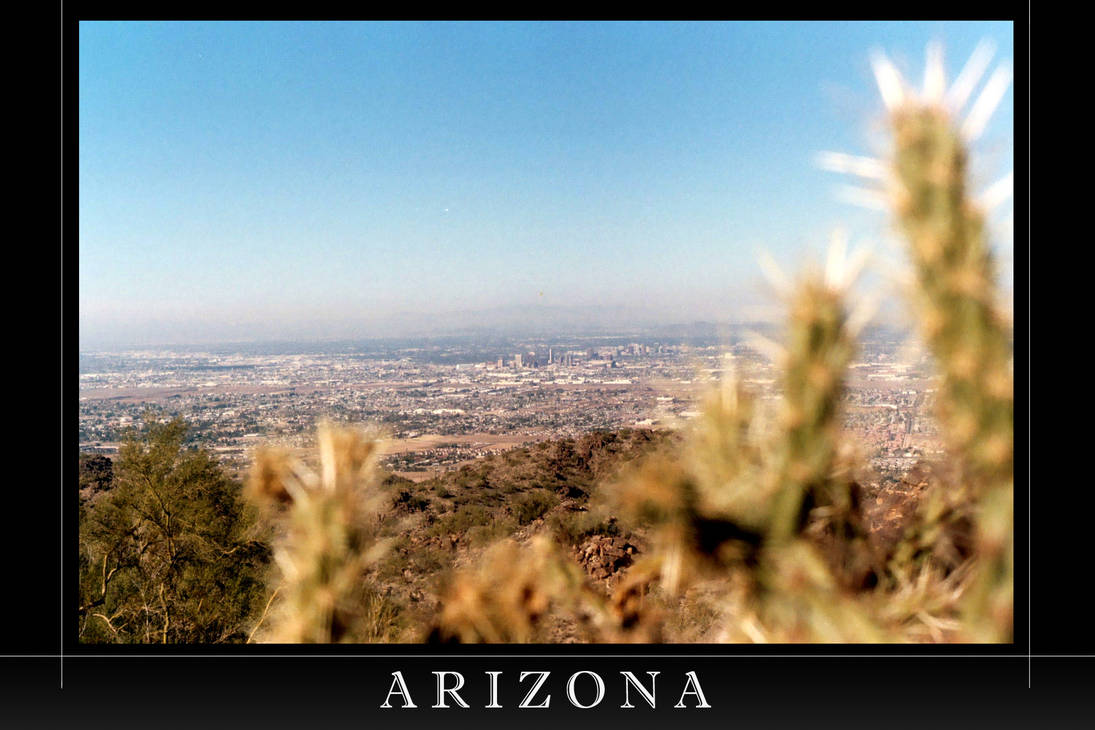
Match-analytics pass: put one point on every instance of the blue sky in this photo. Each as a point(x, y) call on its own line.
point(286, 180)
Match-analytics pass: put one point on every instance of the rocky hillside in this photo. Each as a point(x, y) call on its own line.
point(446, 522)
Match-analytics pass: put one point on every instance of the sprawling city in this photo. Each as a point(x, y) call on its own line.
point(444, 401)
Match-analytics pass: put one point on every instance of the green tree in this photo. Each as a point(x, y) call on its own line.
point(172, 553)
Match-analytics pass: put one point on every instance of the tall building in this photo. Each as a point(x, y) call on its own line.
point(551, 357)
point(517, 360)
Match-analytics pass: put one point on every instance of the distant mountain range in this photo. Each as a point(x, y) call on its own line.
point(500, 322)
point(522, 321)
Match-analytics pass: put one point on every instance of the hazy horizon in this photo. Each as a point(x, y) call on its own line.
point(531, 320)
point(280, 181)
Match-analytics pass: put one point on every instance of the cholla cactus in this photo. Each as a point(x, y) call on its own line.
point(726, 456)
point(819, 347)
point(801, 601)
point(739, 505)
point(506, 596)
point(925, 183)
point(329, 539)
point(800, 577)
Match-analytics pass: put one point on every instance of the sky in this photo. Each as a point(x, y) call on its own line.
point(250, 181)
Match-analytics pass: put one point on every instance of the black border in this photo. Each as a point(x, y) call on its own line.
point(793, 667)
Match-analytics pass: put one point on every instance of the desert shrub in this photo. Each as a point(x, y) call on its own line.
point(428, 559)
point(467, 479)
point(532, 505)
point(393, 482)
point(410, 502)
point(169, 553)
point(499, 527)
point(462, 519)
point(574, 527)
point(96, 475)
